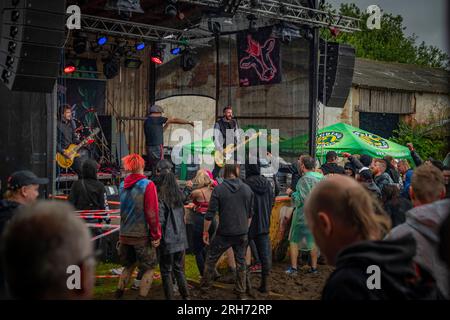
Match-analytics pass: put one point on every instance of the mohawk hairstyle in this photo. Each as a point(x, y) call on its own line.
point(133, 163)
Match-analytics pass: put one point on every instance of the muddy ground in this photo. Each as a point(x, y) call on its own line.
point(303, 286)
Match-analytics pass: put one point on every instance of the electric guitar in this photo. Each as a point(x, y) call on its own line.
point(72, 151)
point(222, 157)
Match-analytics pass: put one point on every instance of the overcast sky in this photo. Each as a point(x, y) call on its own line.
point(425, 18)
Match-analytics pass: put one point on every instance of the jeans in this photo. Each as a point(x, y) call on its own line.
point(173, 264)
point(254, 251)
point(199, 245)
point(154, 155)
point(218, 246)
point(262, 244)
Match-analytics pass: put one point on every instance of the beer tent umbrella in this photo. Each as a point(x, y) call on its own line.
point(341, 137)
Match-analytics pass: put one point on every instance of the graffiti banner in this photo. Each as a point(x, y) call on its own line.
point(258, 58)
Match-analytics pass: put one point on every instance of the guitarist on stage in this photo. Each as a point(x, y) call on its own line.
point(66, 135)
point(227, 122)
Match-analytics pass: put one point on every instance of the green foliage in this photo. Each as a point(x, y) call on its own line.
point(428, 143)
point(388, 43)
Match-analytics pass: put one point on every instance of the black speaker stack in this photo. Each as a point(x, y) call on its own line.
point(339, 62)
point(32, 38)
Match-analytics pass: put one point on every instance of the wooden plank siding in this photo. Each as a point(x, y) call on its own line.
point(127, 96)
point(384, 101)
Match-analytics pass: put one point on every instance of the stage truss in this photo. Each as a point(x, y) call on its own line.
point(287, 10)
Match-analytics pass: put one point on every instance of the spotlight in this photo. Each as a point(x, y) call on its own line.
point(133, 63)
point(80, 43)
point(170, 10)
point(111, 67)
point(120, 49)
point(102, 40)
point(140, 46)
point(157, 53)
point(252, 25)
point(214, 26)
point(175, 51)
point(124, 5)
point(95, 47)
point(69, 68)
point(188, 60)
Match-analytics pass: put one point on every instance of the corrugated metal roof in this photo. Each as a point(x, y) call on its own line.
point(400, 76)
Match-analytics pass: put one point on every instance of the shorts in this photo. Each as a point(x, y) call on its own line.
point(142, 254)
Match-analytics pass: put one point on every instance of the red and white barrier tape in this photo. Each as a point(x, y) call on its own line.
point(107, 233)
point(104, 226)
point(97, 211)
point(99, 217)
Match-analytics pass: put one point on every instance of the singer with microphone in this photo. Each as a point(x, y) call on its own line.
point(227, 122)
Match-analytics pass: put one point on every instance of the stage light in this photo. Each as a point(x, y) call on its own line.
point(214, 26)
point(102, 40)
point(175, 51)
point(133, 63)
point(80, 43)
point(170, 10)
point(140, 46)
point(156, 60)
point(157, 53)
point(70, 68)
point(188, 60)
point(95, 47)
point(124, 5)
point(111, 67)
point(252, 24)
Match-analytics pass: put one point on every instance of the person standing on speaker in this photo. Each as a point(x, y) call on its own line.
point(67, 136)
point(154, 127)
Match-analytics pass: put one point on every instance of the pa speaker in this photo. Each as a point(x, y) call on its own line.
point(32, 36)
point(337, 62)
point(55, 6)
point(22, 82)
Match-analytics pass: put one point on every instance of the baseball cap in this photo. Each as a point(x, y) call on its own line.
point(24, 178)
point(366, 175)
point(155, 109)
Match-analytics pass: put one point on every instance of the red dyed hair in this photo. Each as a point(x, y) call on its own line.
point(133, 163)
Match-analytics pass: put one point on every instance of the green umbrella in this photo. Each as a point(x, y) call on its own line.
point(341, 137)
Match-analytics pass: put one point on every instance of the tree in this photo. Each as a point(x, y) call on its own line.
point(388, 43)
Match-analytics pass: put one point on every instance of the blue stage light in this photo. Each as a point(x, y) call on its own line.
point(140, 46)
point(175, 51)
point(102, 40)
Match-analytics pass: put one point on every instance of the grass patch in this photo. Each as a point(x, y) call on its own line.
point(105, 288)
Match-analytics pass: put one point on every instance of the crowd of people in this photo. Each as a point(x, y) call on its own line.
point(366, 213)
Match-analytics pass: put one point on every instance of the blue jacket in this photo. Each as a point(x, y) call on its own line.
point(408, 176)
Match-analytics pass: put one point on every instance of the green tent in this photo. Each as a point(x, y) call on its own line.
point(341, 137)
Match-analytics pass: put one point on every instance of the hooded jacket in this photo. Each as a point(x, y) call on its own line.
point(263, 201)
point(139, 211)
point(400, 278)
point(233, 200)
point(332, 167)
point(423, 223)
